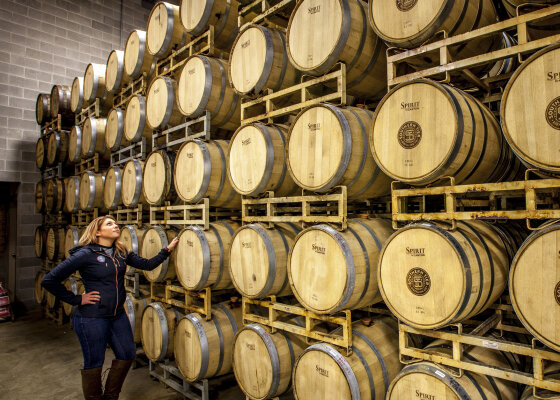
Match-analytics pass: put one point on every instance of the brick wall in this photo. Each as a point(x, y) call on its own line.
point(46, 42)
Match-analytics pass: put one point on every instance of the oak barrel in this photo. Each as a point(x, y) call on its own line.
point(324, 32)
point(534, 286)
point(72, 197)
point(60, 104)
point(71, 238)
point(201, 171)
point(157, 178)
point(259, 259)
point(530, 111)
point(94, 82)
point(475, 274)
point(263, 361)
point(259, 60)
point(137, 60)
point(322, 371)
point(54, 195)
point(41, 153)
point(158, 331)
point(198, 15)
point(57, 148)
point(343, 264)
point(164, 30)
point(77, 95)
point(131, 236)
point(55, 243)
point(155, 239)
point(423, 130)
point(91, 191)
point(134, 308)
point(40, 194)
point(203, 256)
point(93, 137)
point(132, 194)
point(327, 147)
point(51, 300)
point(257, 160)
point(161, 108)
point(112, 188)
point(39, 291)
point(114, 130)
point(539, 29)
point(75, 286)
point(203, 86)
point(40, 241)
point(204, 349)
point(75, 145)
point(115, 77)
point(135, 125)
point(43, 108)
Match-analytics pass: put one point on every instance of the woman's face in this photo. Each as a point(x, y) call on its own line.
point(109, 230)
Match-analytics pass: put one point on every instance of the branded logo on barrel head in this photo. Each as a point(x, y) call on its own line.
point(418, 281)
point(318, 249)
point(410, 134)
point(314, 127)
point(553, 113)
point(322, 371)
point(314, 10)
point(245, 44)
point(557, 293)
point(424, 396)
point(246, 142)
point(250, 346)
point(406, 5)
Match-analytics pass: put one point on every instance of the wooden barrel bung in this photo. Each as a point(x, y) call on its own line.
point(40, 195)
point(112, 188)
point(259, 61)
point(202, 86)
point(423, 131)
point(93, 137)
point(533, 285)
point(198, 15)
point(132, 183)
point(77, 95)
point(161, 108)
point(263, 361)
point(135, 125)
point(322, 371)
point(410, 273)
point(75, 144)
point(530, 111)
point(115, 77)
point(94, 82)
point(201, 171)
point(91, 191)
point(71, 239)
point(43, 108)
point(327, 147)
point(131, 237)
point(54, 195)
point(75, 286)
point(137, 60)
point(324, 32)
point(259, 259)
point(164, 30)
point(41, 149)
point(55, 243)
point(72, 198)
point(134, 309)
point(343, 264)
point(257, 161)
point(114, 130)
point(203, 349)
point(60, 104)
point(40, 241)
point(57, 148)
point(39, 291)
point(155, 239)
point(203, 256)
point(158, 331)
point(157, 178)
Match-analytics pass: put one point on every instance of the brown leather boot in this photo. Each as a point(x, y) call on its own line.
point(115, 379)
point(91, 383)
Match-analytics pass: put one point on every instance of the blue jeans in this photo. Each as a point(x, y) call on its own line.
point(95, 333)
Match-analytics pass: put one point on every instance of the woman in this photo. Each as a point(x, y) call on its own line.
point(100, 318)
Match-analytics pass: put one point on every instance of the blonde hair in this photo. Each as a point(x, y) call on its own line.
point(89, 236)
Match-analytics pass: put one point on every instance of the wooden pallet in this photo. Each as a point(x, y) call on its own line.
point(203, 44)
point(189, 214)
point(139, 215)
point(93, 110)
point(83, 218)
point(52, 172)
point(528, 199)
point(139, 86)
point(134, 151)
point(265, 13)
point(137, 285)
point(461, 341)
point(54, 125)
point(56, 315)
point(198, 128)
point(47, 265)
point(310, 91)
point(54, 219)
point(447, 65)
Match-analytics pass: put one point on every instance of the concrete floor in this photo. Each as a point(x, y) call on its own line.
point(40, 360)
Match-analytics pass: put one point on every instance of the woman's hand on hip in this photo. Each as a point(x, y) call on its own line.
point(90, 298)
point(171, 246)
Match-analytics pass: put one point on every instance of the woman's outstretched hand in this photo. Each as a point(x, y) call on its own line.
point(90, 298)
point(171, 246)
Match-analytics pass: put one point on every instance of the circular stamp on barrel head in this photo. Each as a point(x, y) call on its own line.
point(418, 281)
point(406, 5)
point(410, 134)
point(553, 113)
point(557, 293)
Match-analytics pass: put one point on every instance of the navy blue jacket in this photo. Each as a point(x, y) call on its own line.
point(101, 273)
